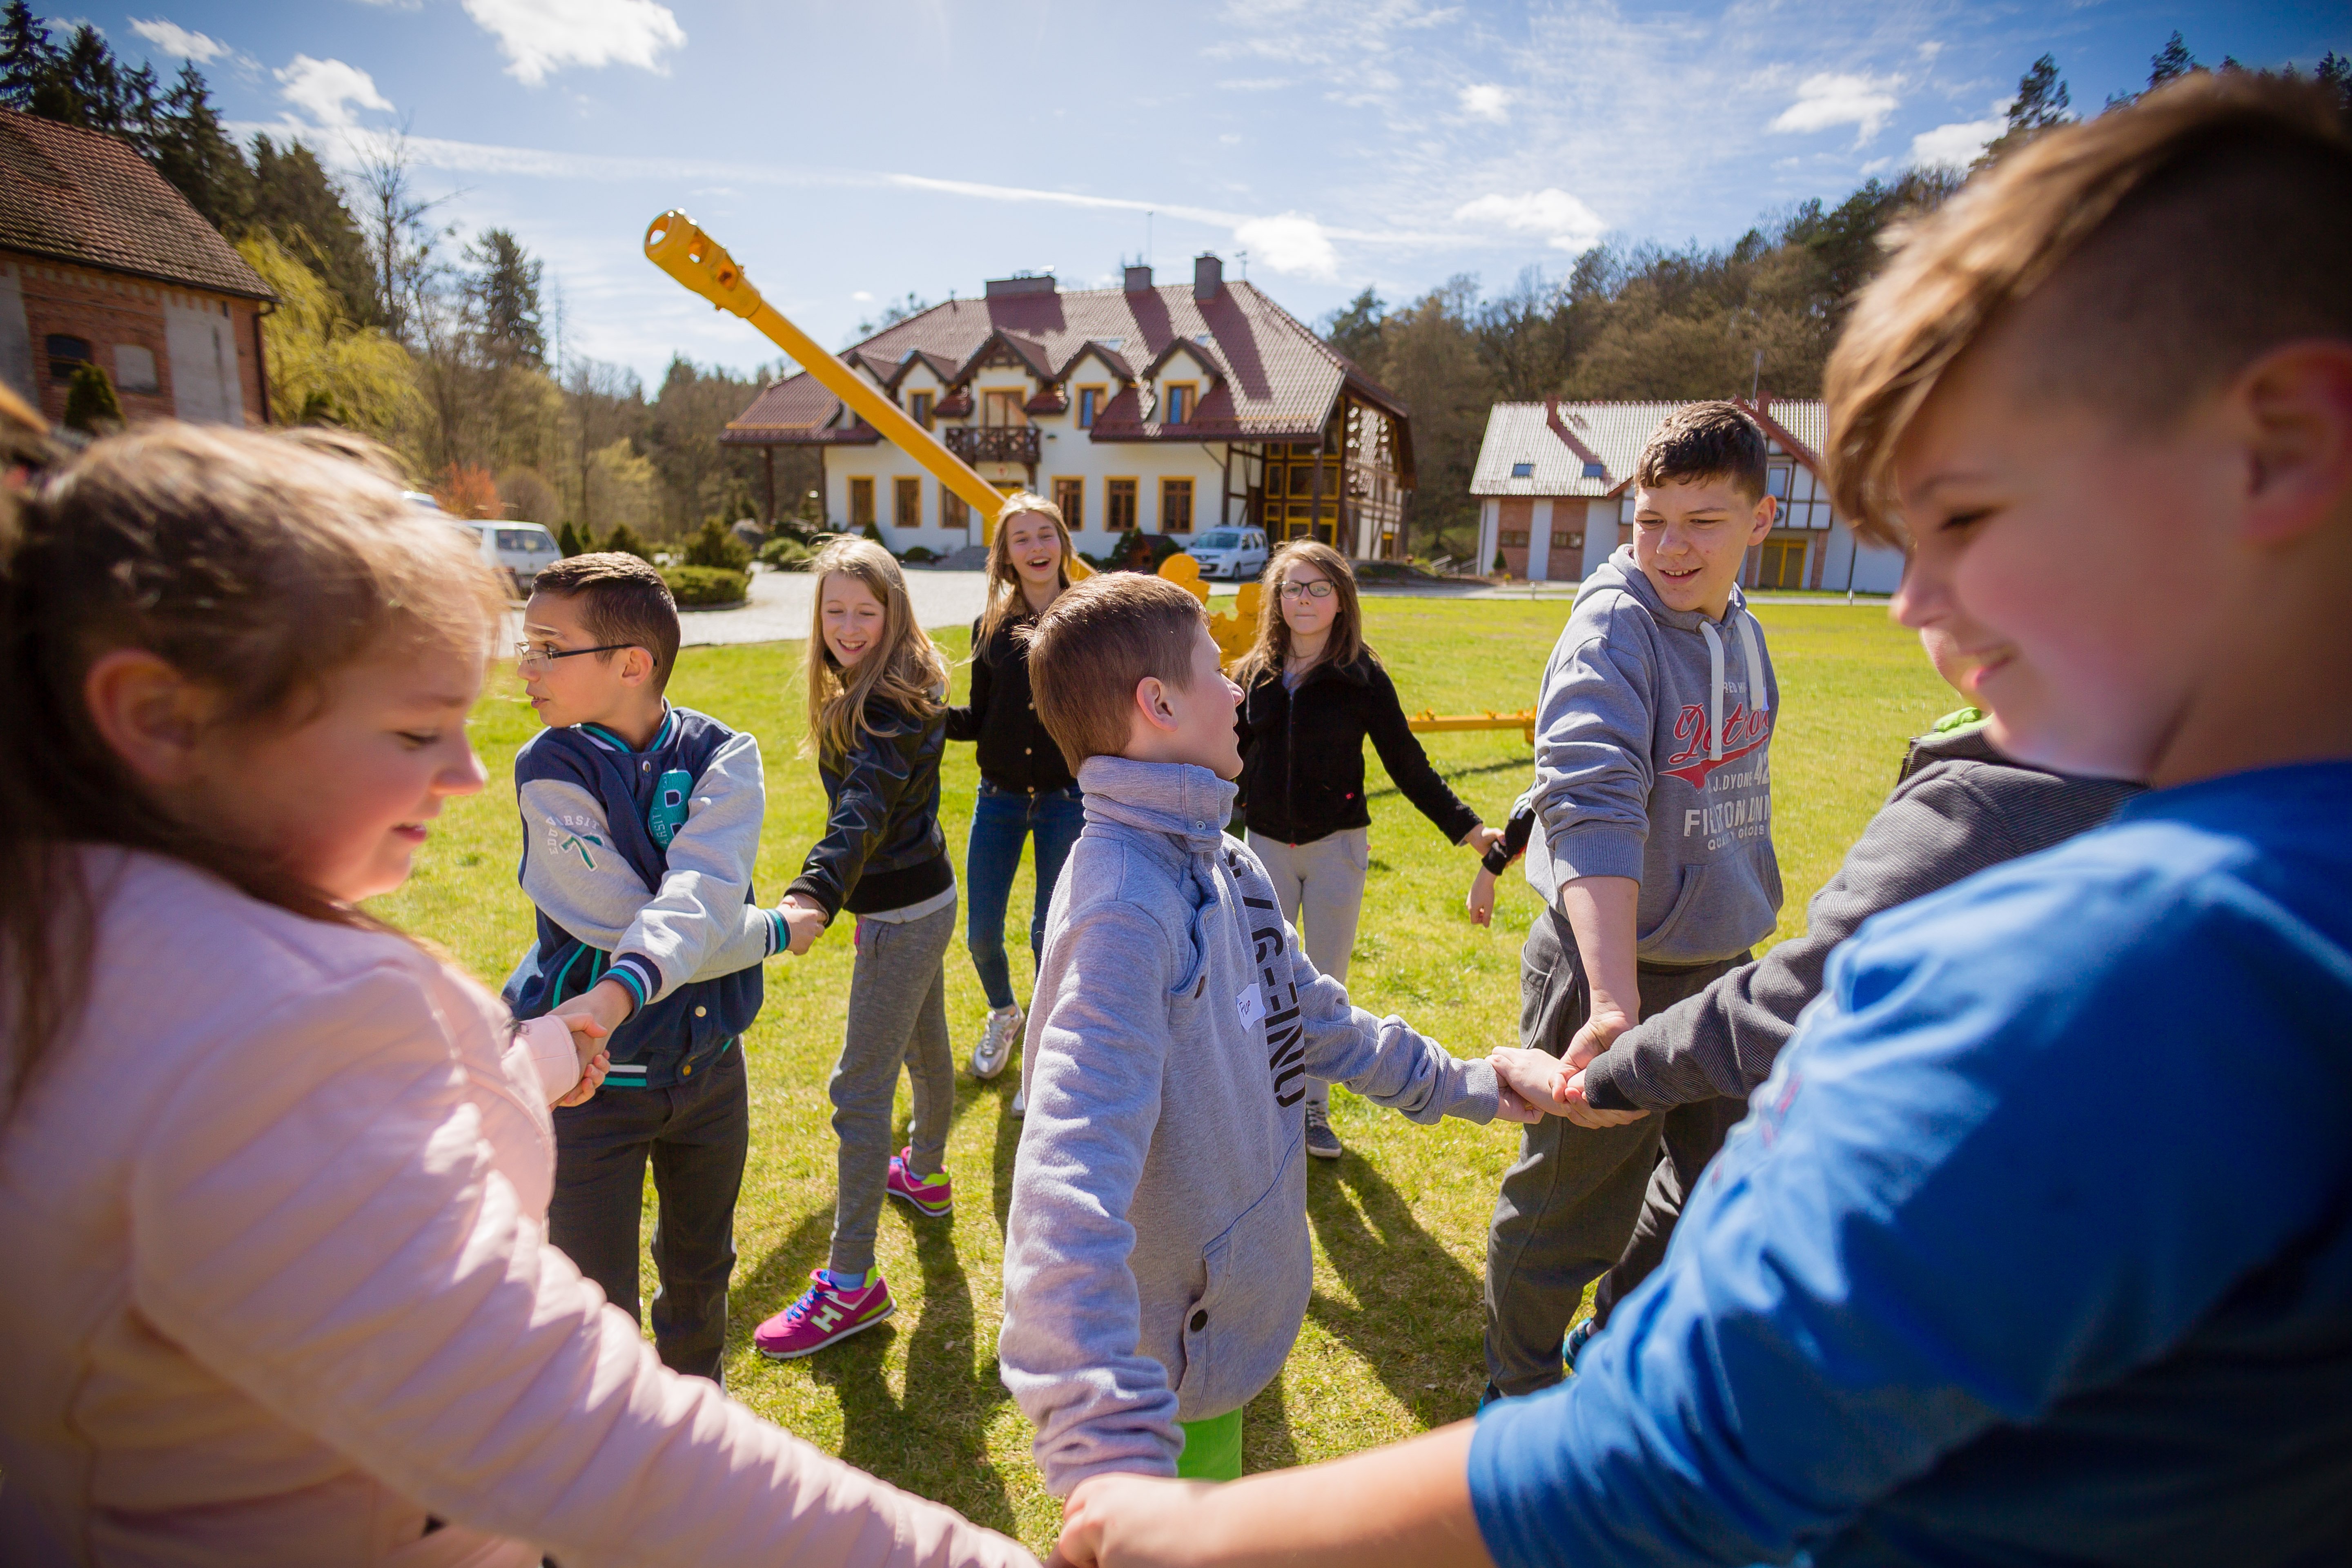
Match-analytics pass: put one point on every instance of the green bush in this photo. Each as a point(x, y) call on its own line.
point(785, 553)
point(701, 587)
point(623, 539)
point(920, 555)
point(715, 545)
point(568, 539)
point(91, 406)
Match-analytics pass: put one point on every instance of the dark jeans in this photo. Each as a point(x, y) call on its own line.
point(1571, 1207)
point(1001, 820)
point(697, 1133)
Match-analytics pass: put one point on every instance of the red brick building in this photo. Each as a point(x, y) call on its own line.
point(100, 259)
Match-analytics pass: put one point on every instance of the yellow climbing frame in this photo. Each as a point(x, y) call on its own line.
point(678, 248)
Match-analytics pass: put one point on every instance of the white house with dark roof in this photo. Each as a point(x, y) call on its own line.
point(1171, 408)
point(1555, 486)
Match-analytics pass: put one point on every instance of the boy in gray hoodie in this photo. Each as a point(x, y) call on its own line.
point(1157, 1263)
point(1652, 851)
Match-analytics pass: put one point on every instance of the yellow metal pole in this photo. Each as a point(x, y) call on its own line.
point(674, 245)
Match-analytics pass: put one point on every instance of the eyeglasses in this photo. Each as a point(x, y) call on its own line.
point(1307, 590)
point(531, 660)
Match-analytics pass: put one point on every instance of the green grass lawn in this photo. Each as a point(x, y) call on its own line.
point(1391, 1342)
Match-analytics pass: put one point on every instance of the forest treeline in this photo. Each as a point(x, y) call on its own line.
point(451, 348)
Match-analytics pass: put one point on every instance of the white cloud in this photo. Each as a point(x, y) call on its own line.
point(329, 91)
point(1564, 221)
point(861, 297)
point(1255, 83)
point(171, 39)
point(1289, 242)
point(1955, 144)
point(1486, 101)
point(540, 36)
point(1840, 97)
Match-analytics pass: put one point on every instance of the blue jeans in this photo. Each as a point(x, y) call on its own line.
point(1000, 819)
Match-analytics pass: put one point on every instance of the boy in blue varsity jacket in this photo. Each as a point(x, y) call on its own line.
point(640, 823)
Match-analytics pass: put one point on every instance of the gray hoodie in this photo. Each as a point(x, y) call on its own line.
point(1652, 760)
point(1157, 1265)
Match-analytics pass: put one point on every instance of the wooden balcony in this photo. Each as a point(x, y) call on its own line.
point(992, 443)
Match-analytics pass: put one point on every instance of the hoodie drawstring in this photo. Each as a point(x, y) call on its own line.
point(1753, 658)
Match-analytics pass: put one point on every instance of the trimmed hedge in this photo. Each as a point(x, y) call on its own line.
point(704, 587)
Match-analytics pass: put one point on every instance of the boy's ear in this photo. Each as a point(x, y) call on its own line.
point(2293, 406)
point(1766, 510)
point(636, 666)
point(1151, 703)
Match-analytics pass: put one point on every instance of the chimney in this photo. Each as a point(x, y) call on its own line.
point(1208, 275)
point(1138, 279)
point(1020, 283)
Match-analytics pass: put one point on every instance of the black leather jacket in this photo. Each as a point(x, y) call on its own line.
point(1303, 755)
point(1015, 752)
point(882, 847)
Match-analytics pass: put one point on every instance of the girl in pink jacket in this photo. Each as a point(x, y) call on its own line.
point(273, 1178)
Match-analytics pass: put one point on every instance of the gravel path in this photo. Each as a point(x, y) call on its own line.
point(782, 602)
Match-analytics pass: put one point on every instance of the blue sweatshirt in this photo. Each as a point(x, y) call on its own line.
point(2035, 1246)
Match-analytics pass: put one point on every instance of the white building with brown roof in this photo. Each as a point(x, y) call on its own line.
point(1169, 408)
point(1555, 486)
point(101, 260)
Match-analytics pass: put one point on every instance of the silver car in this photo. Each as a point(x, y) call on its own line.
point(1235, 552)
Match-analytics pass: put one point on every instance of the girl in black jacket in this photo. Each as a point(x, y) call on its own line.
point(1025, 787)
point(1313, 691)
point(877, 724)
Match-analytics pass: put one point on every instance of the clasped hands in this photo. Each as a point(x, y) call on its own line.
point(591, 1016)
point(1556, 1084)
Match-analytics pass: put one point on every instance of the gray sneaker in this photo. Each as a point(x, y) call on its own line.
point(995, 1048)
point(1020, 1102)
point(1321, 1142)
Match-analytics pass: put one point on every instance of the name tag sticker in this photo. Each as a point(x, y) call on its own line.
point(1249, 1003)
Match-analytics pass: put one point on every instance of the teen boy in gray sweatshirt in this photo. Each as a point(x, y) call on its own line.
point(1157, 1265)
point(1653, 854)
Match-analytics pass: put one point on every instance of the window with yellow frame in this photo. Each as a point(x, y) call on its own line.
point(1118, 504)
point(1090, 401)
point(1175, 506)
point(861, 502)
point(907, 501)
point(918, 408)
point(1178, 400)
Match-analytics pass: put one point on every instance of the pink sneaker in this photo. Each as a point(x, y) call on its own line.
point(933, 1197)
point(821, 1316)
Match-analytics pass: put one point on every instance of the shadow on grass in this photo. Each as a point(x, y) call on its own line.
point(1267, 1443)
point(1419, 1325)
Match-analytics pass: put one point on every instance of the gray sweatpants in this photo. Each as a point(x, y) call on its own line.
point(1571, 1204)
point(1324, 881)
point(898, 1016)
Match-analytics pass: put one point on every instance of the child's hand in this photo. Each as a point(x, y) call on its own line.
point(601, 1009)
point(1482, 838)
point(591, 1078)
point(1533, 1078)
point(1481, 901)
point(1588, 1115)
point(806, 920)
point(1510, 1107)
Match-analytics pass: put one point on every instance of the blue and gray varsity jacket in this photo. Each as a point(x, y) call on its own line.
point(639, 864)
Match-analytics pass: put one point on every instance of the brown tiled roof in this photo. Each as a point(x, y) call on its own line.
point(83, 196)
point(1273, 379)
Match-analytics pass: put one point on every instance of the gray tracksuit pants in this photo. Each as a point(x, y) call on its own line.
point(1570, 1205)
point(898, 1016)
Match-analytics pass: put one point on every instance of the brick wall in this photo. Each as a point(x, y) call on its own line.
point(107, 309)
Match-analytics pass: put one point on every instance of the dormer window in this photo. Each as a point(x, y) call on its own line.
point(1596, 471)
point(1090, 404)
point(1181, 397)
point(1523, 470)
point(918, 406)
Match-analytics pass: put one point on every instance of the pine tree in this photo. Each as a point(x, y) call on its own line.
point(502, 295)
point(189, 148)
point(2172, 60)
point(296, 205)
point(91, 406)
point(2041, 102)
point(27, 57)
point(567, 538)
point(624, 541)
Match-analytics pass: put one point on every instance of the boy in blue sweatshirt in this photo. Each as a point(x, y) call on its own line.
point(1157, 1265)
point(640, 822)
point(1653, 854)
point(2036, 1247)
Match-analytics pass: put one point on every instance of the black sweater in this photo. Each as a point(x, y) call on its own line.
point(1016, 753)
point(882, 847)
point(1303, 755)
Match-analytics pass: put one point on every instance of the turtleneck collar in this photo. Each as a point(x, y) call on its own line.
point(1186, 802)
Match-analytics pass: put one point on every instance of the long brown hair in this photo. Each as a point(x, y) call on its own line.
point(1346, 643)
point(258, 566)
point(1005, 578)
point(905, 669)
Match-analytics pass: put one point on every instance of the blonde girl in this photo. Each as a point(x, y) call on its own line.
point(273, 1177)
point(1313, 691)
point(1026, 790)
point(878, 723)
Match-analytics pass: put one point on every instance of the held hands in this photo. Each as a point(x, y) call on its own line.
point(607, 1003)
point(1481, 901)
point(1132, 1521)
point(586, 1036)
point(1482, 838)
point(804, 919)
point(1556, 1085)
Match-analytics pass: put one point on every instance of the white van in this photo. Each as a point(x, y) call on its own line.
point(521, 549)
point(1236, 553)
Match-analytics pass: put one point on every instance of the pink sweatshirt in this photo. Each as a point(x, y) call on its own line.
point(279, 1288)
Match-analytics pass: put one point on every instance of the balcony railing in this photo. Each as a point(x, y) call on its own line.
point(992, 443)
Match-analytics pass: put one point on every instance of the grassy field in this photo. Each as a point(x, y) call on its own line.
point(1391, 1342)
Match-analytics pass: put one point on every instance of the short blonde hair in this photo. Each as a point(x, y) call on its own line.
point(2193, 231)
point(1095, 643)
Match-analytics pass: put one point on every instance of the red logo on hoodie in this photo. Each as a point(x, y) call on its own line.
point(1743, 732)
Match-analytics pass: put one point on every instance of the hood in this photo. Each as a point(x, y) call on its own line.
point(1619, 572)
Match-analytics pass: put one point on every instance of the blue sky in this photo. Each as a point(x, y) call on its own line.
point(850, 153)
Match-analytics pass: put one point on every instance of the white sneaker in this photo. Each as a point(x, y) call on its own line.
point(995, 1048)
point(1020, 1102)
